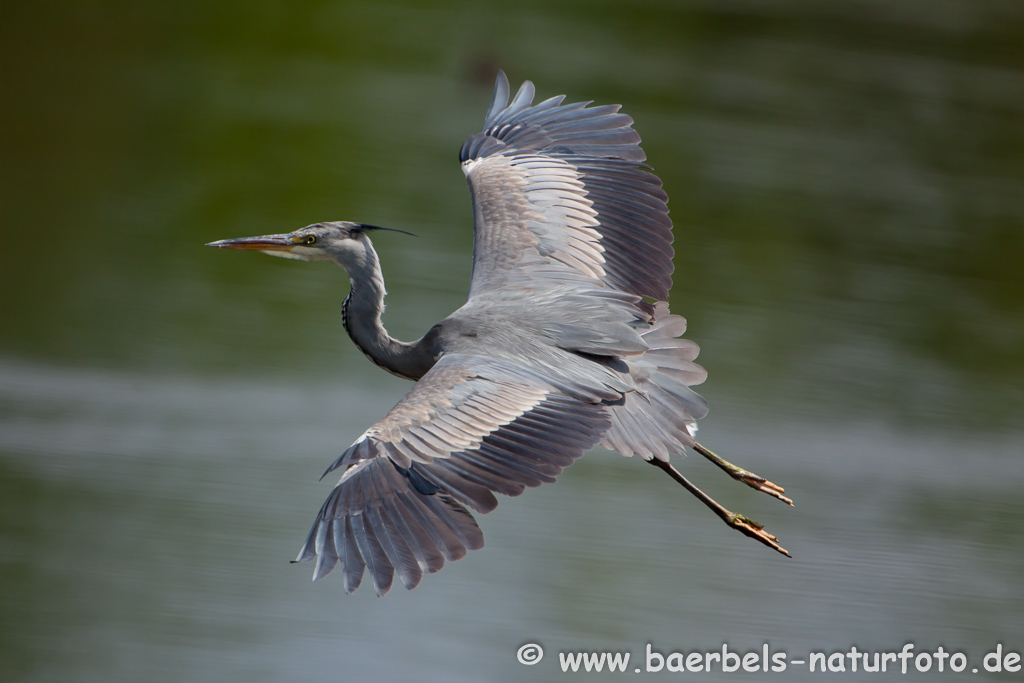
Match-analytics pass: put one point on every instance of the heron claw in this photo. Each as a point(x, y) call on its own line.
point(761, 484)
point(752, 480)
point(755, 530)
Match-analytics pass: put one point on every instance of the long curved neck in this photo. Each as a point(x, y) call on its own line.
point(361, 316)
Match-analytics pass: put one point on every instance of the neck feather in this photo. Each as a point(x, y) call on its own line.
point(361, 315)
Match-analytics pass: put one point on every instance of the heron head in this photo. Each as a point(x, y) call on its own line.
point(339, 241)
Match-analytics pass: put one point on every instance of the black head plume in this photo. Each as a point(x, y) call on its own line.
point(363, 227)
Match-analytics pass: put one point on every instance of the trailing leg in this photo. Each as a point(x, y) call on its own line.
point(739, 474)
point(741, 523)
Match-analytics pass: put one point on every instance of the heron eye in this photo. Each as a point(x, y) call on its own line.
point(310, 239)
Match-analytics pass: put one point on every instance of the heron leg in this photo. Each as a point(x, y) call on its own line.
point(739, 474)
point(745, 525)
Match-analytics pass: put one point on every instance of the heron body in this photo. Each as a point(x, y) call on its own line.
point(565, 342)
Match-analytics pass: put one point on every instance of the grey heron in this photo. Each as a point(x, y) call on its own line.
point(565, 342)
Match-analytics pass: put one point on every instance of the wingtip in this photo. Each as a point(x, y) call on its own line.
point(523, 98)
point(500, 98)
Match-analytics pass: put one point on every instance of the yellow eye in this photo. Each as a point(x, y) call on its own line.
point(310, 239)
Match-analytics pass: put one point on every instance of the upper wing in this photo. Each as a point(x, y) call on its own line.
point(471, 427)
point(561, 191)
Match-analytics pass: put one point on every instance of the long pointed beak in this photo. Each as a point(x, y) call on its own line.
point(269, 243)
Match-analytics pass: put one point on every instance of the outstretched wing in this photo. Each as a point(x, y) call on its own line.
point(561, 191)
point(471, 427)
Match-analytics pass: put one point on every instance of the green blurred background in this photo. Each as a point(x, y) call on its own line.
point(847, 186)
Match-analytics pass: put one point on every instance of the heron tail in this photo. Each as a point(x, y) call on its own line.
point(660, 417)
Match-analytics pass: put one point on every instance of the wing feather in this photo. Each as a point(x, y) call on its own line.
point(562, 188)
point(471, 427)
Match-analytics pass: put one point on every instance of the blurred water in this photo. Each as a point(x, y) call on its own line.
point(846, 183)
point(147, 524)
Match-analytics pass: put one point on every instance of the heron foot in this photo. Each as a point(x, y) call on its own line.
point(749, 478)
point(755, 530)
point(745, 525)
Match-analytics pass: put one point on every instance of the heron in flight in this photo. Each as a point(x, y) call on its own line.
point(565, 342)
